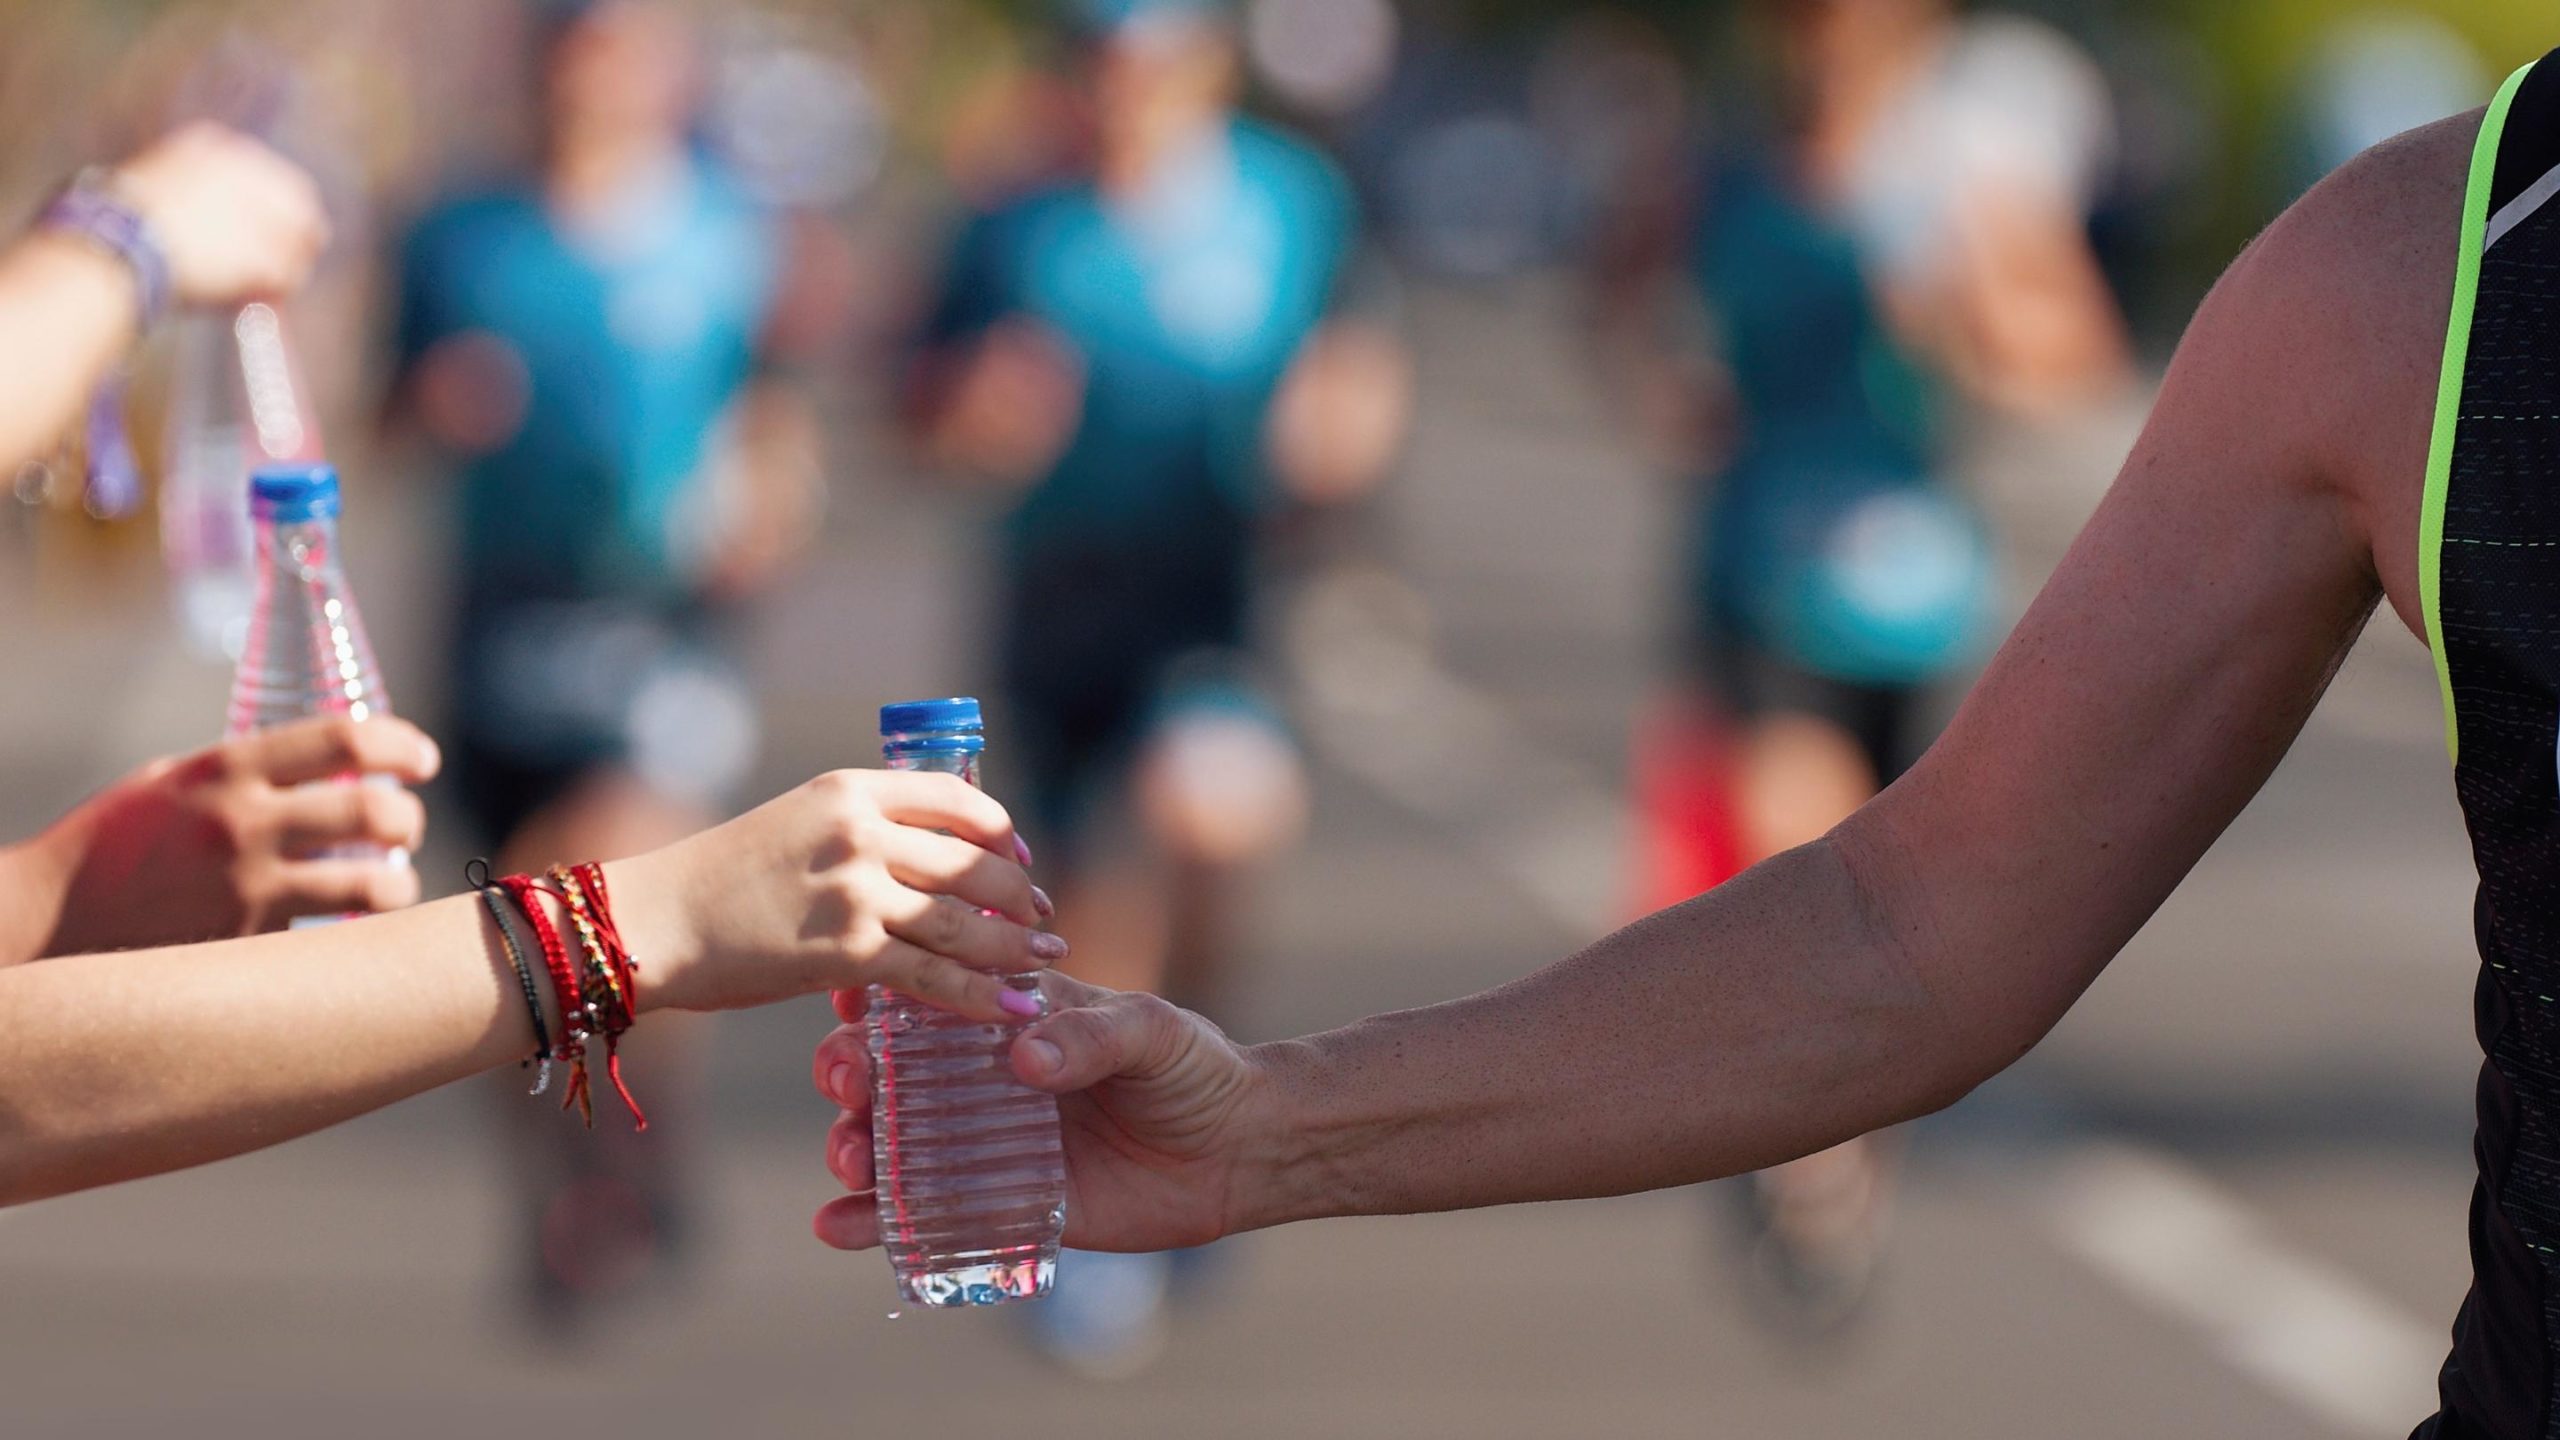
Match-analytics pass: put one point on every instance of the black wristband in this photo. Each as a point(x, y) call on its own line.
point(499, 915)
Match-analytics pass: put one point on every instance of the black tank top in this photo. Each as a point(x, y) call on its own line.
point(2489, 575)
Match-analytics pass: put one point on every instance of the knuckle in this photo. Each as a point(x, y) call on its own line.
point(868, 833)
point(945, 924)
point(394, 815)
point(1150, 1013)
point(1154, 1022)
point(241, 821)
point(230, 762)
point(343, 740)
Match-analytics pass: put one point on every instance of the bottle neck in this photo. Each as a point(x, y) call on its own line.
point(942, 754)
point(305, 548)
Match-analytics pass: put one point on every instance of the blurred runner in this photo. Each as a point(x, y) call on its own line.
point(1909, 220)
point(587, 343)
point(1152, 351)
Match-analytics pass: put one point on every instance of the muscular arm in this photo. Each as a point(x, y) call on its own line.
point(1884, 971)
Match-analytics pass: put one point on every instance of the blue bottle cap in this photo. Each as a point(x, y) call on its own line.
point(290, 494)
point(928, 717)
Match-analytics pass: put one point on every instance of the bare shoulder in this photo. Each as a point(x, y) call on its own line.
point(2328, 332)
point(2398, 202)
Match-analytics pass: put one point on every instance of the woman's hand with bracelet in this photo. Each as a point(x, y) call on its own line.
point(841, 883)
point(235, 220)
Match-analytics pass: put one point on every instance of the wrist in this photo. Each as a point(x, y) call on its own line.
point(99, 212)
point(1293, 1162)
point(656, 920)
point(70, 265)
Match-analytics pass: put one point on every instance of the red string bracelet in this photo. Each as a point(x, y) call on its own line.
point(592, 873)
point(624, 967)
point(610, 966)
point(576, 1019)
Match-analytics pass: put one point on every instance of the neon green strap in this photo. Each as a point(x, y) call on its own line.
point(2457, 347)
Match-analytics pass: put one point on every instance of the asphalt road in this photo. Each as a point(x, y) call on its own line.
point(2224, 1198)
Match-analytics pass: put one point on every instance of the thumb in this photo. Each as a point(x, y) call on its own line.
point(1125, 1035)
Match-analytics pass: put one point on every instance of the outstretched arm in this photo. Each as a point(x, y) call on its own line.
point(119, 1065)
point(1884, 971)
point(235, 220)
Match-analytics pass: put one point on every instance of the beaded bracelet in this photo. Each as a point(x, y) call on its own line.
point(491, 896)
point(591, 874)
point(610, 1004)
point(89, 209)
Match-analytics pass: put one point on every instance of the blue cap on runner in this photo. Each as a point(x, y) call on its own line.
point(290, 494)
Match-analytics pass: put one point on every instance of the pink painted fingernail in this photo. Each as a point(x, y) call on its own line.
point(1041, 902)
point(1052, 948)
point(1025, 1003)
point(840, 1081)
point(1022, 851)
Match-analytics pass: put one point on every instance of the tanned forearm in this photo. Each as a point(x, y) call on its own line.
point(1936, 935)
point(1769, 1018)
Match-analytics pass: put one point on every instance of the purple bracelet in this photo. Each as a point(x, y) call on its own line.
point(86, 208)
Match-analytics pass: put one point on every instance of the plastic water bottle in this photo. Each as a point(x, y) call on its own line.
point(306, 653)
point(972, 1180)
point(236, 401)
point(204, 491)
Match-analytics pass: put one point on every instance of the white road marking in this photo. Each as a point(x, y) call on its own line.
point(1378, 707)
point(2184, 1246)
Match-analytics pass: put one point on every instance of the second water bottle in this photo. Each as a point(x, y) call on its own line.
point(306, 653)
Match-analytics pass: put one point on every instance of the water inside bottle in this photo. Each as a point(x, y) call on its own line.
point(972, 1177)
